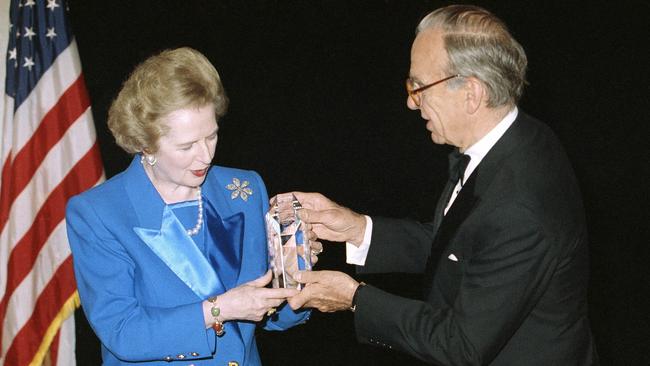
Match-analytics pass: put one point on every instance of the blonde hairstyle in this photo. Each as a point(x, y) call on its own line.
point(169, 81)
point(478, 44)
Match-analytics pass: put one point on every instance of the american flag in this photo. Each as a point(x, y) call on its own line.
point(48, 153)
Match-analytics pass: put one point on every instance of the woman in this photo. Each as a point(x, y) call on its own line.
point(170, 255)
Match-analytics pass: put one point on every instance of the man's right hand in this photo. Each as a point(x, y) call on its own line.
point(331, 221)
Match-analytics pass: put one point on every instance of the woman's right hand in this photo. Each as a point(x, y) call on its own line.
point(249, 301)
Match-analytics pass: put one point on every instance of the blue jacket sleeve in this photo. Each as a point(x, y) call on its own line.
point(106, 274)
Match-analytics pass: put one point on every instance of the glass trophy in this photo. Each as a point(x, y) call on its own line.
point(288, 244)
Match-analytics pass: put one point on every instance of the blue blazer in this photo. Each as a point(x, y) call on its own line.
point(142, 281)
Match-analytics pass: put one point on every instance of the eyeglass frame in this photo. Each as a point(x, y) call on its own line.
point(413, 93)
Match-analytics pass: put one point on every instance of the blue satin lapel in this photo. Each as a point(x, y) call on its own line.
point(225, 241)
point(174, 247)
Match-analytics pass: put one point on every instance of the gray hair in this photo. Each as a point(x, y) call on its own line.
point(478, 44)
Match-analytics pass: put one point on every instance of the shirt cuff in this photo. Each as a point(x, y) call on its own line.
point(357, 255)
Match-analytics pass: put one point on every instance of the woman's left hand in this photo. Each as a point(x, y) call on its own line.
point(316, 249)
point(249, 301)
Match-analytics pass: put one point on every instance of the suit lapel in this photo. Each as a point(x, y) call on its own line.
point(225, 240)
point(225, 234)
point(440, 206)
point(179, 252)
point(145, 200)
point(471, 194)
point(459, 210)
point(483, 175)
point(161, 231)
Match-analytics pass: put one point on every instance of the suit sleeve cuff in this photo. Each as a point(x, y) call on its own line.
point(357, 255)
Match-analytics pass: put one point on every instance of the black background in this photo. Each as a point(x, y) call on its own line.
point(318, 104)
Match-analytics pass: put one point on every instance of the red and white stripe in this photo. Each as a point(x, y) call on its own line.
point(49, 153)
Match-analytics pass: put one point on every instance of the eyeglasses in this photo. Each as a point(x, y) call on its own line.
point(414, 93)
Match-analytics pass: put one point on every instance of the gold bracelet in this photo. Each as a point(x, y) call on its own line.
point(215, 311)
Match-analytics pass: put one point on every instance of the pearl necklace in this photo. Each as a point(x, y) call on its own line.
point(199, 221)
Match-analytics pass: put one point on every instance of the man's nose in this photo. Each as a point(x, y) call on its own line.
point(410, 103)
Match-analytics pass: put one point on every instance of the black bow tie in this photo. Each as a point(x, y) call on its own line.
point(457, 165)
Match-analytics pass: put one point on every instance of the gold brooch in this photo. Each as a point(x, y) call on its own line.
point(239, 189)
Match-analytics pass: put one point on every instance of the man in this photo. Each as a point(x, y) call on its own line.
point(505, 260)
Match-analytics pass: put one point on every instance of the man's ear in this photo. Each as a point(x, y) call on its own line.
point(475, 94)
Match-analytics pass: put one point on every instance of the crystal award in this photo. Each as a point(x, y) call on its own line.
point(288, 244)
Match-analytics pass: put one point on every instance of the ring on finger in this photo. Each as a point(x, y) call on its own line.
point(270, 312)
point(316, 251)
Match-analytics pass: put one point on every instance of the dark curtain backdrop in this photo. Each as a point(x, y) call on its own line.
point(318, 104)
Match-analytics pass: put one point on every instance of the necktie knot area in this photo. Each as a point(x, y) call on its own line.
point(457, 165)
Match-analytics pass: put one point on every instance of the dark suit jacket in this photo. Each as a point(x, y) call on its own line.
point(517, 294)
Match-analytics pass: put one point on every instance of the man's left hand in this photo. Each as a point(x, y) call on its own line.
point(327, 291)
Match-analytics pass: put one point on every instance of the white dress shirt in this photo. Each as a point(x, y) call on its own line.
point(357, 255)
